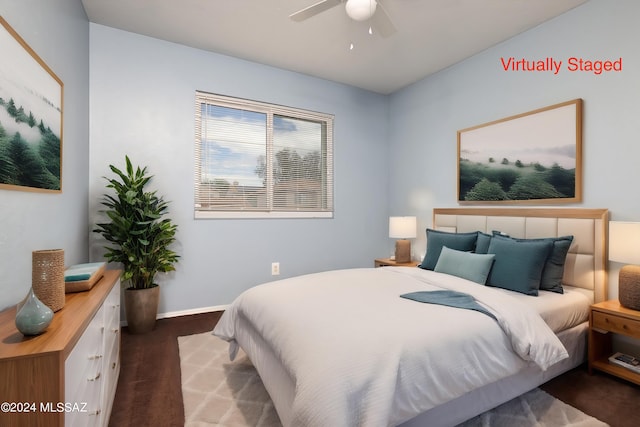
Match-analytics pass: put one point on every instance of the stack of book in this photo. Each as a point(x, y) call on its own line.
point(626, 361)
point(82, 277)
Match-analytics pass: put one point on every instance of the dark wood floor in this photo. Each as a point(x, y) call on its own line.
point(149, 392)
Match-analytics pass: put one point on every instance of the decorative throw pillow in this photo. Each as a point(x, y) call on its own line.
point(554, 267)
point(553, 270)
point(437, 239)
point(518, 264)
point(470, 266)
point(482, 244)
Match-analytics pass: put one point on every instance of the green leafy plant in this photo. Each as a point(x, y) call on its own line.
point(138, 231)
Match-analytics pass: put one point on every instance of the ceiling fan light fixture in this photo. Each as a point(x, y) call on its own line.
point(360, 10)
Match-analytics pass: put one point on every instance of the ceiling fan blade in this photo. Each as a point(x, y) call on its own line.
point(381, 21)
point(314, 9)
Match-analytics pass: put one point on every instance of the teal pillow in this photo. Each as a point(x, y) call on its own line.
point(553, 270)
point(554, 267)
point(437, 239)
point(482, 244)
point(518, 264)
point(470, 266)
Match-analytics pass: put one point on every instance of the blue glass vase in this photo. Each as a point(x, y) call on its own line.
point(34, 316)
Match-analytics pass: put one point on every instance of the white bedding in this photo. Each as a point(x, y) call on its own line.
point(559, 311)
point(360, 355)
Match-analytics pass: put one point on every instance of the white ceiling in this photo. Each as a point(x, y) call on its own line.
point(431, 34)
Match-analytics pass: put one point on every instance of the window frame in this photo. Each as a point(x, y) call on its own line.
point(269, 110)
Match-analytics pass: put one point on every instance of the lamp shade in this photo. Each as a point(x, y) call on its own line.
point(624, 242)
point(402, 227)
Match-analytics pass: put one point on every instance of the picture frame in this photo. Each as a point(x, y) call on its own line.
point(529, 158)
point(31, 111)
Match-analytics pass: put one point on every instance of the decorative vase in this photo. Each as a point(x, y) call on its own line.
point(47, 277)
point(33, 316)
point(141, 308)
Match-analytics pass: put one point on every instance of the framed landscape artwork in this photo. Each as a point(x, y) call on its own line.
point(534, 157)
point(30, 118)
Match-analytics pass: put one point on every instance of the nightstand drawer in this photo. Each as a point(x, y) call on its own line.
point(615, 324)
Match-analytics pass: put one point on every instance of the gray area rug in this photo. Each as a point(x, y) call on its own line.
point(217, 392)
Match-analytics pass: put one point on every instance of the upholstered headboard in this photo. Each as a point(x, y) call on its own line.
point(586, 265)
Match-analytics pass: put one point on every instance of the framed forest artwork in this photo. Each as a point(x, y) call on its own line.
point(30, 118)
point(534, 157)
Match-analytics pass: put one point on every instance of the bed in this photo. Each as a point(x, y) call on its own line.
point(342, 348)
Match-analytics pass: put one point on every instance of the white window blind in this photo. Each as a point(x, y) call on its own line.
point(261, 160)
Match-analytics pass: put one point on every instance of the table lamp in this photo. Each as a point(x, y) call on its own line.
point(624, 247)
point(402, 228)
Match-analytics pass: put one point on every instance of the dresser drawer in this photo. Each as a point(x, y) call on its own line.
point(617, 324)
point(87, 399)
point(112, 372)
point(112, 319)
point(112, 308)
point(86, 359)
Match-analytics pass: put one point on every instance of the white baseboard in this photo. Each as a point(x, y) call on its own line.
point(186, 312)
point(192, 311)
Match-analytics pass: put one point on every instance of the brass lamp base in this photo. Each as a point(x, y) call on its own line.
point(629, 287)
point(403, 251)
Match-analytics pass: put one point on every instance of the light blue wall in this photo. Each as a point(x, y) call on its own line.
point(142, 104)
point(426, 115)
point(58, 31)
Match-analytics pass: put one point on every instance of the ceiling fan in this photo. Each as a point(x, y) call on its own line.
point(358, 10)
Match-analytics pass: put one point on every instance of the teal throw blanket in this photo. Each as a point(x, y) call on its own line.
point(448, 298)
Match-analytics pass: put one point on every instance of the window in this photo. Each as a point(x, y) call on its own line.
point(259, 160)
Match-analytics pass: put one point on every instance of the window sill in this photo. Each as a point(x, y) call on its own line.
point(259, 215)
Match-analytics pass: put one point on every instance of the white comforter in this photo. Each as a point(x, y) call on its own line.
point(360, 355)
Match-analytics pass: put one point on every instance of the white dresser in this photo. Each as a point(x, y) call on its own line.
point(68, 375)
point(92, 368)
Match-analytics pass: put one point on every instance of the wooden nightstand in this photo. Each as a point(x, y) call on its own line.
point(605, 319)
point(387, 262)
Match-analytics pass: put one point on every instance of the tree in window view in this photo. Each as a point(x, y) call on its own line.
point(290, 166)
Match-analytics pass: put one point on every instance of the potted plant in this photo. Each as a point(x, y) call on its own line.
point(140, 236)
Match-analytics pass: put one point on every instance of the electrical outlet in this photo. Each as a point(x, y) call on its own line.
point(275, 268)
